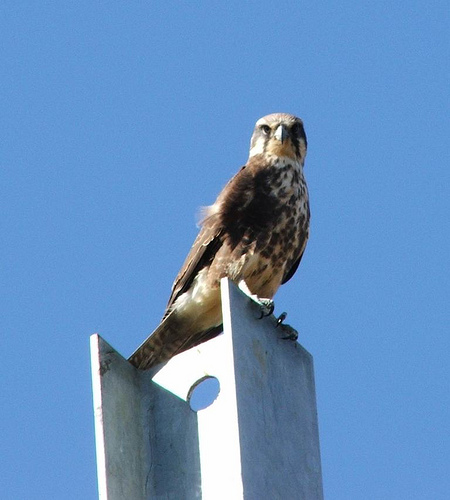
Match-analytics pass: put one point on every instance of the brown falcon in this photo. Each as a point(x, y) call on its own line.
point(254, 234)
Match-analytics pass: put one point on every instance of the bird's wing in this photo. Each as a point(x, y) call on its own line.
point(301, 249)
point(291, 271)
point(166, 341)
point(205, 246)
point(201, 254)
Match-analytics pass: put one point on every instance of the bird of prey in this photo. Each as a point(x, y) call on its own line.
point(255, 234)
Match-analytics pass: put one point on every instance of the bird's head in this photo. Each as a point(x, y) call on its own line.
point(279, 134)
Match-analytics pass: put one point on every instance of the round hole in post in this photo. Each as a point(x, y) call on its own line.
point(203, 393)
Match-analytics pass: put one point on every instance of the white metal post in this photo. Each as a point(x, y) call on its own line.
point(258, 440)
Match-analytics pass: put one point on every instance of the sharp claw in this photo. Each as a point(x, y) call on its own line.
point(281, 318)
point(267, 307)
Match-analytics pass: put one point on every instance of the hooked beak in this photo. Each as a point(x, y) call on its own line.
point(281, 133)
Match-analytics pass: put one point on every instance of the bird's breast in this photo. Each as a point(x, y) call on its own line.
point(269, 232)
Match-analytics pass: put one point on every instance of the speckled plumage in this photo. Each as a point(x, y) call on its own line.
point(256, 232)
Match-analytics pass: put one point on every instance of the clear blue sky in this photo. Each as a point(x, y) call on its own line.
point(119, 120)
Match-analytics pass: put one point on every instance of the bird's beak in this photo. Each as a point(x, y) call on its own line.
point(281, 133)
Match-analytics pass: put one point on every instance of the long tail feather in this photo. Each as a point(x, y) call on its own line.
point(167, 340)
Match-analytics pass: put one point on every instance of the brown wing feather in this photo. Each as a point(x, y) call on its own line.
point(201, 254)
point(301, 249)
point(205, 246)
point(290, 272)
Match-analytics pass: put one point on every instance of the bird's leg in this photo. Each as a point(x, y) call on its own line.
point(267, 305)
point(290, 333)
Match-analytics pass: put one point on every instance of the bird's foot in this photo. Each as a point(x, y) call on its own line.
point(267, 307)
point(289, 332)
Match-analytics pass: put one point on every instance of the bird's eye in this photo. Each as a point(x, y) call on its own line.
point(295, 128)
point(265, 129)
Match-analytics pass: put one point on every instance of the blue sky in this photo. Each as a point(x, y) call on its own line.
point(119, 120)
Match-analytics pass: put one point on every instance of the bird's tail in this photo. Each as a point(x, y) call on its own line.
point(167, 340)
